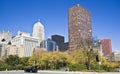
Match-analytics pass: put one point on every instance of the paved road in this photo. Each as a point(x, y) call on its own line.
point(55, 72)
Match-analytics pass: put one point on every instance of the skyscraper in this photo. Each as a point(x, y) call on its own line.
point(38, 31)
point(106, 46)
point(59, 40)
point(49, 44)
point(79, 26)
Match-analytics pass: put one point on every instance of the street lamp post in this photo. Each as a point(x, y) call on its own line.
point(100, 52)
point(34, 52)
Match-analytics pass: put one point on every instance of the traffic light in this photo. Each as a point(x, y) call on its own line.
point(97, 58)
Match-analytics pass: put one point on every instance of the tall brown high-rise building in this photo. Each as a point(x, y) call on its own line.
point(106, 46)
point(79, 26)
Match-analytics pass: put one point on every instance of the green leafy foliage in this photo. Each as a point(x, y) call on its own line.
point(12, 60)
point(75, 60)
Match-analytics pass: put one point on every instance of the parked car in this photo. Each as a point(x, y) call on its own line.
point(31, 70)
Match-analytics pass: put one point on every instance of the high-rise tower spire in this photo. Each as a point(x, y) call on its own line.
point(38, 30)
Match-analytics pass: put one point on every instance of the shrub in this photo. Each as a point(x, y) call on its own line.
point(77, 67)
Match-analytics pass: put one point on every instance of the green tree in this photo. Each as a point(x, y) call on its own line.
point(24, 61)
point(12, 60)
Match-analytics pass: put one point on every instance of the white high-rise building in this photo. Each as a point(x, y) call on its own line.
point(28, 43)
point(38, 31)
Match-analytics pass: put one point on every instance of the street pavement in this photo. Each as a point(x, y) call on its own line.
point(56, 72)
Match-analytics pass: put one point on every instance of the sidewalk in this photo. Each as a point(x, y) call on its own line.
point(56, 72)
point(78, 72)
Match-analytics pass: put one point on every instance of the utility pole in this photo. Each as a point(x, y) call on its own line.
point(100, 54)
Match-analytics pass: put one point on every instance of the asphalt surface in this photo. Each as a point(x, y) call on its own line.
point(56, 72)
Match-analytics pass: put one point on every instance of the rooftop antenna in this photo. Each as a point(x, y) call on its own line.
point(38, 20)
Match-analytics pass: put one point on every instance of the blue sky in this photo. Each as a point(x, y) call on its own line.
point(20, 15)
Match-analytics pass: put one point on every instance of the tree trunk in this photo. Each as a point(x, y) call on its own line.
point(88, 63)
